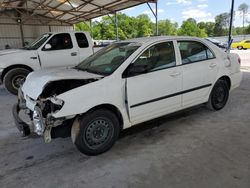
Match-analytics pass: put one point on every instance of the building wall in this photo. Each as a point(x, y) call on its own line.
point(11, 34)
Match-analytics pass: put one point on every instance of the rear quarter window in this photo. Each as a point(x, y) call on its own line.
point(82, 40)
point(193, 51)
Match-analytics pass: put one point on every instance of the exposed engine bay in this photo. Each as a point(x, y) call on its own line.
point(60, 86)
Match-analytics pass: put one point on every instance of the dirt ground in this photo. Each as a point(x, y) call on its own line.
point(193, 148)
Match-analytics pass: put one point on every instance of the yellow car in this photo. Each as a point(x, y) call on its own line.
point(245, 44)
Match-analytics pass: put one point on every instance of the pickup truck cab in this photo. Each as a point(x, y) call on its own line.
point(59, 49)
point(124, 84)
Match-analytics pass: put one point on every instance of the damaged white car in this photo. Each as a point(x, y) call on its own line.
point(125, 84)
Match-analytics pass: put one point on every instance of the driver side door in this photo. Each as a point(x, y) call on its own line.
point(157, 90)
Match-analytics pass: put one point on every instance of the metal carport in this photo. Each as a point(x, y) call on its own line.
point(30, 18)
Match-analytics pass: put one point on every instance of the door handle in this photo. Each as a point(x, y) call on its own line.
point(212, 65)
point(74, 54)
point(174, 74)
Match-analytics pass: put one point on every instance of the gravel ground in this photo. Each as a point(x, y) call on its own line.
point(193, 148)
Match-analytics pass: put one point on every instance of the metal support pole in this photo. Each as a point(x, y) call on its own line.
point(156, 18)
point(230, 40)
point(21, 31)
point(90, 25)
point(155, 13)
point(116, 26)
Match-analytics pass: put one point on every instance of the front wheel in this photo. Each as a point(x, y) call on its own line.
point(14, 79)
point(98, 132)
point(219, 95)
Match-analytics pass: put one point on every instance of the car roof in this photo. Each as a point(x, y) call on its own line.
point(159, 38)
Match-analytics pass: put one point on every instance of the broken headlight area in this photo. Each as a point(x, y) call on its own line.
point(42, 115)
point(38, 121)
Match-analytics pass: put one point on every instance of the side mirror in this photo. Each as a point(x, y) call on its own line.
point(47, 46)
point(134, 70)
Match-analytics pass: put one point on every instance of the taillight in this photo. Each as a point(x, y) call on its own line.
point(239, 60)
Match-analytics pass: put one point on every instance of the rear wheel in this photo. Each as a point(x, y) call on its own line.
point(14, 78)
point(239, 47)
point(219, 95)
point(98, 132)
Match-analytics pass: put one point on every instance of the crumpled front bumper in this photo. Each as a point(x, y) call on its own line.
point(22, 126)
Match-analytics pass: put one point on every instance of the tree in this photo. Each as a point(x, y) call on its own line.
point(208, 26)
point(221, 24)
point(248, 29)
point(82, 26)
point(189, 27)
point(243, 8)
point(166, 27)
point(144, 26)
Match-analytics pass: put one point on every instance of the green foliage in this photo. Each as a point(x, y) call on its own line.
point(208, 27)
point(141, 26)
point(166, 27)
point(82, 26)
point(190, 28)
point(221, 23)
point(247, 30)
point(243, 8)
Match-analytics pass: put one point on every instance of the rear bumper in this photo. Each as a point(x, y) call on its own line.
point(236, 79)
point(22, 126)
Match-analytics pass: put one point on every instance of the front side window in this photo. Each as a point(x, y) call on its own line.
point(82, 40)
point(108, 59)
point(60, 41)
point(159, 56)
point(192, 51)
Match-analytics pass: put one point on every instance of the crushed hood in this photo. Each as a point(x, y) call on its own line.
point(36, 81)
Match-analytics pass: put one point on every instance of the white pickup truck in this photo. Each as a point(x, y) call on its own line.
point(58, 49)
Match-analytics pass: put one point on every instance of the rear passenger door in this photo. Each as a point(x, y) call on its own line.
point(199, 70)
point(155, 91)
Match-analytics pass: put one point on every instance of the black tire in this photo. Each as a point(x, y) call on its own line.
point(98, 132)
point(239, 47)
point(13, 78)
point(219, 95)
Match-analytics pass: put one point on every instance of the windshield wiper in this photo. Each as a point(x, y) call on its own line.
point(89, 70)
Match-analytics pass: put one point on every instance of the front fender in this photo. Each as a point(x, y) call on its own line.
point(24, 57)
point(82, 99)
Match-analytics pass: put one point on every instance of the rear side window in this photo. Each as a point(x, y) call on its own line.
point(60, 41)
point(192, 51)
point(82, 40)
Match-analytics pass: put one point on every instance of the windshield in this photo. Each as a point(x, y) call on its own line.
point(108, 59)
point(38, 42)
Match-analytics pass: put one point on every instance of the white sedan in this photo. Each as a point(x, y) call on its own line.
point(124, 84)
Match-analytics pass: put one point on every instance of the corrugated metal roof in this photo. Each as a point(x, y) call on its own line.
point(68, 11)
